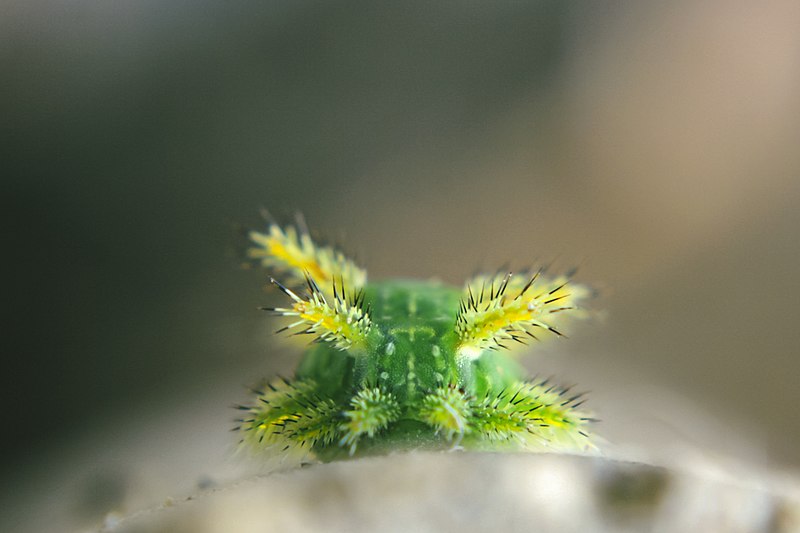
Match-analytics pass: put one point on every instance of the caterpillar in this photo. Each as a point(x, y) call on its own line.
point(409, 364)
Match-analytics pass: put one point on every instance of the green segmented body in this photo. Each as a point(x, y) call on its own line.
point(411, 353)
point(410, 350)
point(405, 364)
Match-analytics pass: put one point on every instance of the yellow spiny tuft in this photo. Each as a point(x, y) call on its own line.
point(539, 415)
point(447, 409)
point(295, 253)
point(372, 410)
point(344, 322)
point(289, 416)
point(506, 309)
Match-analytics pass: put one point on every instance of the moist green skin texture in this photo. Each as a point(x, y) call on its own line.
point(410, 351)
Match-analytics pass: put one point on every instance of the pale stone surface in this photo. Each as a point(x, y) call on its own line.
point(480, 492)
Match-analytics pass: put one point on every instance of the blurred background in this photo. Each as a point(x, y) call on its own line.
point(653, 145)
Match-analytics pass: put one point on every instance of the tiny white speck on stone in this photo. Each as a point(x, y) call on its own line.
point(111, 520)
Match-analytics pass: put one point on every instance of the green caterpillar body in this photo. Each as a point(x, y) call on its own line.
point(405, 364)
